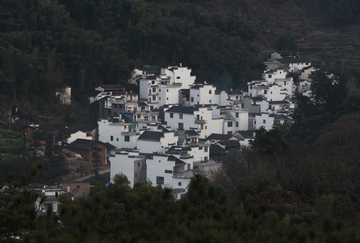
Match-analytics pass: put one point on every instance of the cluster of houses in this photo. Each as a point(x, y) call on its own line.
point(171, 127)
point(165, 128)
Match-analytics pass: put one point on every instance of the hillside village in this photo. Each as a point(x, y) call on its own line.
point(166, 128)
point(174, 127)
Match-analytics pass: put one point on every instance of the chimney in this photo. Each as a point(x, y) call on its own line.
point(180, 64)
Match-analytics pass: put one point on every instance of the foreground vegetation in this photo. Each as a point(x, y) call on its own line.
point(145, 213)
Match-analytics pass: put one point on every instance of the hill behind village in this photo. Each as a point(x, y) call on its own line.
point(47, 45)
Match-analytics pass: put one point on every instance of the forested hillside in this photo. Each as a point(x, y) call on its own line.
point(48, 44)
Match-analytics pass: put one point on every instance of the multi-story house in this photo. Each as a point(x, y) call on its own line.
point(118, 133)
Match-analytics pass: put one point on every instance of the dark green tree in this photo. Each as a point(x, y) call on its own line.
point(272, 147)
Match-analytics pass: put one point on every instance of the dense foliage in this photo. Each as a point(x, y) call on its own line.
point(46, 45)
point(318, 156)
point(145, 213)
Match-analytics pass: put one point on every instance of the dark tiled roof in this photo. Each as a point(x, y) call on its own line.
point(151, 136)
point(163, 129)
point(112, 87)
point(191, 133)
point(109, 146)
point(230, 144)
point(182, 109)
point(257, 98)
point(279, 102)
point(197, 86)
point(178, 149)
point(185, 91)
point(216, 149)
point(218, 136)
point(83, 144)
point(247, 134)
point(141, 103)
point(177, 161)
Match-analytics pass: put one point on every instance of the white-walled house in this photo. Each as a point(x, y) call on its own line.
point(204, 94)
point(164, 89)
point(234, 120)
point(264, 120)
point(179, 74)
point(169, 171)
point(159, 169)
point(294, 64)
point(130, 163)
point(156, 141)
point(272, 74)
point(245, 136)
point(193, 118)
point(117, 133)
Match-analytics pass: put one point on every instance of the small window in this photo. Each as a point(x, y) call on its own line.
point(159, 90)
point(210, 91)
point(179, 183)
point(210, 101)
point(264, 121)
point(152, 82)
point(285, 83)
point(192, 99)
point(205, 158)
point(206, 149)
point(181, 126)
point(139, 116)
point(168, 171)
point(265, 91)
point(138, 164)
point(269, 76)
point(180, 116)
point(229, 124)
point(167, 98)
point(167, 90)
point(111, 138)
point(236, 114)
point(160, 180)
point(237, 97)
point(127, 138)
point(171, 115)
point(178, 77)
point(237, 124)
point(159, 98)
point(117, 139)
point(154, 97)
point(154, 90)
